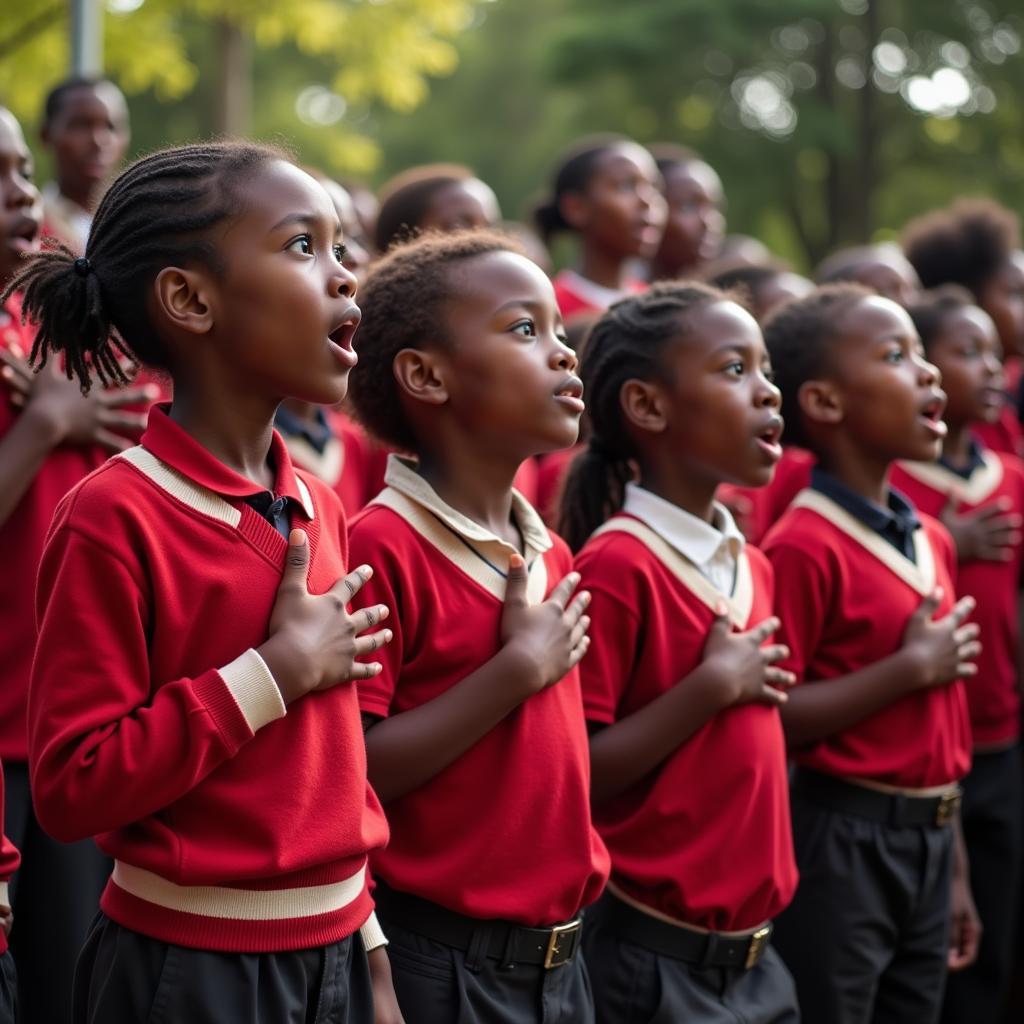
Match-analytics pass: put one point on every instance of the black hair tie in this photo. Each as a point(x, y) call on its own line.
point(83, 266)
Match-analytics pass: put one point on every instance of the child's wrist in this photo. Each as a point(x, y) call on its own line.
point(287, 666)
point(46, 423)
point(523, 667)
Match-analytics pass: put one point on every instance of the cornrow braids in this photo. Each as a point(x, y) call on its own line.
point(403, 300)
point(157, 213)
point(628, 342)
point(798, 336)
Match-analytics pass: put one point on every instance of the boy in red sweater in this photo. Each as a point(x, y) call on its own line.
point(877, 724)
point(51, 436)
point(961, 340)
point(192, 701)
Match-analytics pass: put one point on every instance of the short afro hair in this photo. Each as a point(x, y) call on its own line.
point(966, 243)
point(403, 302)
point(929, 312)
point(799, 336)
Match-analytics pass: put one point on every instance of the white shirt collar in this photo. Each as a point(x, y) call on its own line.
point(697, 540)
point(596, 294)
point(401, 475)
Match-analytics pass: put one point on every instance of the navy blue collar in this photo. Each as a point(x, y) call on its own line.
point(975, 460)
point(895, 524)
point(317, 433)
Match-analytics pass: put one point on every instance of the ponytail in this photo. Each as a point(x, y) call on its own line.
point(627, 343)
point(593, 491)
point(63, 296)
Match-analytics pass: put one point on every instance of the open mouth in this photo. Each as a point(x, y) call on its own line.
point(24, 236)
point(769, 438)
point(570, 394)
point(931, 415)
point(341, 337)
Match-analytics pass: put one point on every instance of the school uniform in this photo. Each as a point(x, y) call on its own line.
point(867, 934)
point(577, 294)
point(757, 509)
point(239, 828)
point(993, 794)
point(57, 881)
point(491, 861)
point(702, 856)
point(338, 451)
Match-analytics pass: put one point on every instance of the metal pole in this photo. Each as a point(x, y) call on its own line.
point(86, 37)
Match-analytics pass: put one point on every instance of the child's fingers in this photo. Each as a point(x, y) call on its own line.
point(135, 395)
point(579, 603)
point(966, 668)
point(969, 632)
point(374, 641)
point(779, 677)
point(112, 442)
point(774, 653)
point(15, 361)
point(132, 421)
point(579, 631)
point(769, 695)
point(366, 670)
point(930, 605)
point(961, 610)
point(516, 583)
point(18, 376)
point(578, 651)
point(365, 618)
point(563, 590)
point(968, 652)
point(350, 585)
point(763, 630)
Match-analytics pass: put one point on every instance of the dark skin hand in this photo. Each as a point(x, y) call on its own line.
point(986, 534)
point(540, 644)
point(314, 642)
point(934, 652)
point(965, 924)
point(385, 1002)
point(735, 669)
point(54, 411)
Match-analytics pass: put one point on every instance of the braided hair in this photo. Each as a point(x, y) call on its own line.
point(158, 213)
point(627, 343)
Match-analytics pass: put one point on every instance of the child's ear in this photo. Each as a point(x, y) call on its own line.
point(419, 376)
point(820, 402)
point(643, 405)
point(183, 299)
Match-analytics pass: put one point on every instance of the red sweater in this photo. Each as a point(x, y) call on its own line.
point(155, 726)
point(716, 853)
point(844, 596)
point(993, 696)
point(21, 540)
point(504, 831)
point(9, 861)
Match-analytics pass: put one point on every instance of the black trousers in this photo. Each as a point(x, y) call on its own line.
point(435, 985)
point(127, 978)
point(867, 935)
point(992, 811)
point(54, 894)
point(8, 989)
point(633, 985)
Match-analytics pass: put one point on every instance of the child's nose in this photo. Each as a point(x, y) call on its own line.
point(343, 281)
point(563, 357)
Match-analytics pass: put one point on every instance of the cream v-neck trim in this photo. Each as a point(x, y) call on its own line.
point(981, 484)
point(919, 575)
point(739, 603)
point(328, 465)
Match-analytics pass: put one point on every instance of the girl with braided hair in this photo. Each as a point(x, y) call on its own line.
point(192, 703)
point(680, 687)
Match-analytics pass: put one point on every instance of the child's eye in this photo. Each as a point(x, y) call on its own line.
point(340, 252)
point(526, 328)
point(894, 355)
point(735, 368)
point(303, 244)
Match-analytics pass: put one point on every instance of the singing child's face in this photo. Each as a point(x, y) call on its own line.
point(21, 211)
point(721, 409)
point(284, 304)
point(509, 376)
point(888, 393)
point(969, 357)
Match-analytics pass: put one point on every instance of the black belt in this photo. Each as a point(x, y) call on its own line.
point(505, 941)
point(897, 809)
point(702, 949)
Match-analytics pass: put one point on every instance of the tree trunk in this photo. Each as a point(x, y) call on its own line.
point(234, 94)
